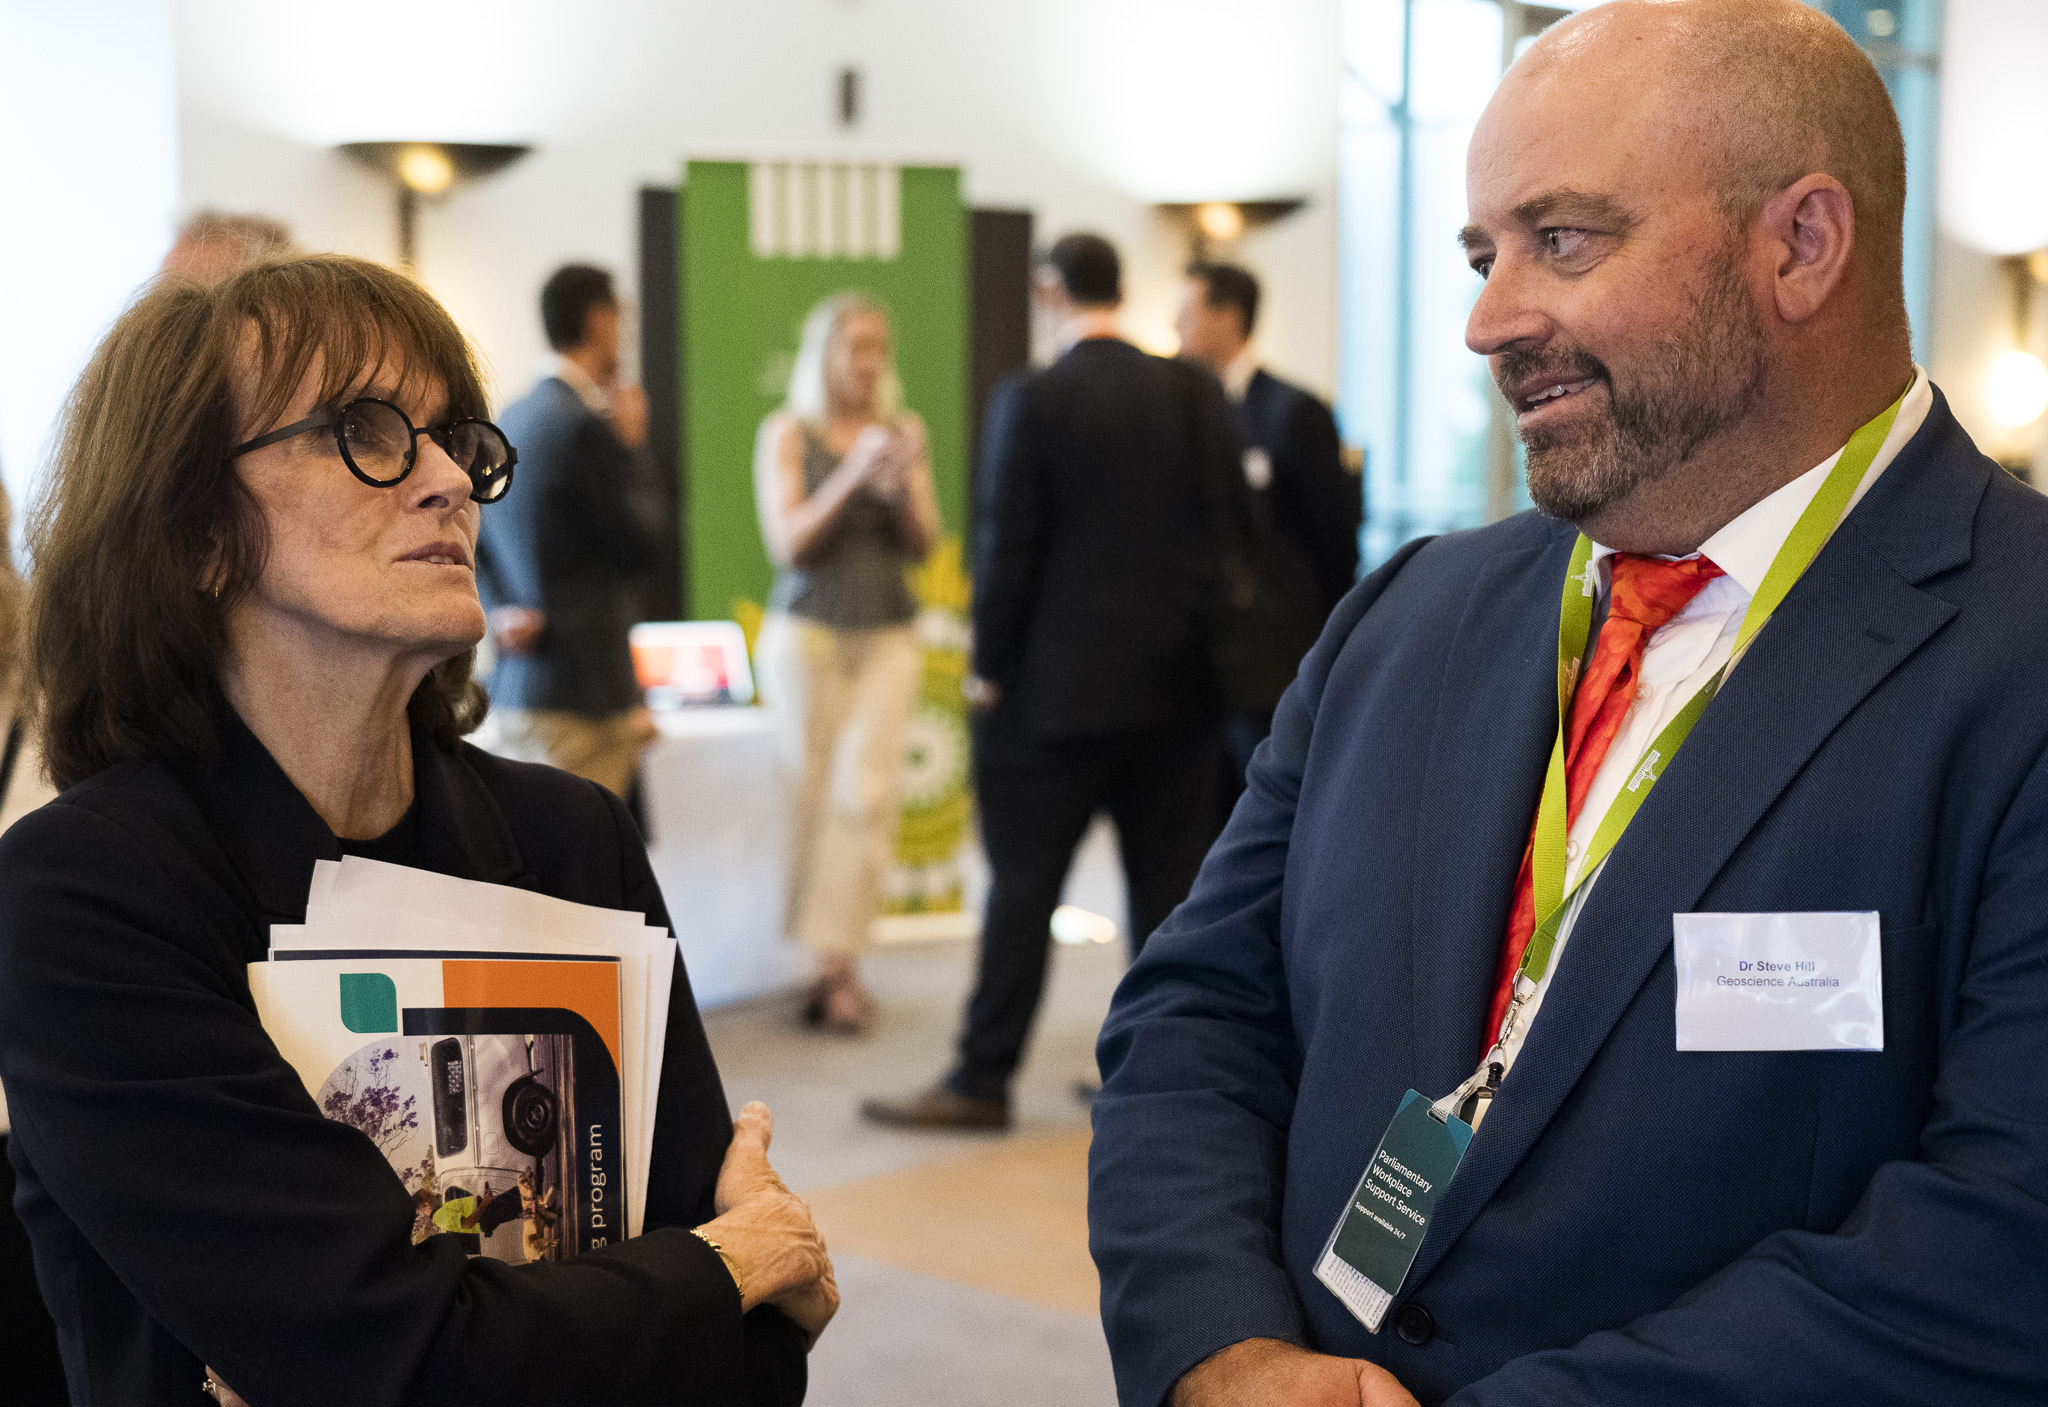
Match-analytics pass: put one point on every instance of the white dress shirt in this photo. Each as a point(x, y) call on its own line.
point(1682, 656)
point(1237, 377)
point(1237, 380)
point(580, 381)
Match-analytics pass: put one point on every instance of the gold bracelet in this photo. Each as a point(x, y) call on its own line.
point(732, 1267)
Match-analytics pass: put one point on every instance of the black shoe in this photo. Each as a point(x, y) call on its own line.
point(938, 1108)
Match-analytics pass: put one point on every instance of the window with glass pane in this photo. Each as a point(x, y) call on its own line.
point(1440, 447)
point(1419, 73)
point(1903, 38)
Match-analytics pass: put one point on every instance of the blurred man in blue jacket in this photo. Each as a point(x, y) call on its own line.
point(562, 559)
point(1687, 839)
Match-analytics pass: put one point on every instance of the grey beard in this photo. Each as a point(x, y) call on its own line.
point(1705, 376)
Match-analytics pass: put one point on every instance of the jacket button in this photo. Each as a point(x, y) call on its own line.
point(1415, 1325)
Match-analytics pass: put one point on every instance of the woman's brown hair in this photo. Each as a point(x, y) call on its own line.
point(12, 599)
point(146, 536)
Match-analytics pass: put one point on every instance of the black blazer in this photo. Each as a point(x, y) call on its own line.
point(1095, 549)
point(189, 1205)
point(1312, 508)
point(573, 538)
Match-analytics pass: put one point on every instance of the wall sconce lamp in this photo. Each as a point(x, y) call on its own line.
point(2019, 380)
point(429, 168)
point(1224, 222)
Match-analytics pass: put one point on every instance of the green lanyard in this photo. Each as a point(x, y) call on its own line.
point(1574, 625)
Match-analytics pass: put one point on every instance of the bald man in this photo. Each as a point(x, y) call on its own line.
point(1626, 978)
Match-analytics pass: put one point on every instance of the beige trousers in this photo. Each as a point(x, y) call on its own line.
point(841, 701)
point(604, 750)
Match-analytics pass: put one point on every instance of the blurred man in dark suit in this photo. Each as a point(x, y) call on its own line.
point(1308, 508)
point(1095, 568)
point(561, 559)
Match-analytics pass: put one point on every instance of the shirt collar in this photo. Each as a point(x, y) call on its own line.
point(1749, 542)
point(1237, 377)
point(580, 381)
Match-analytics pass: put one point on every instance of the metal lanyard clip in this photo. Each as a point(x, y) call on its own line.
point(1485, 1081)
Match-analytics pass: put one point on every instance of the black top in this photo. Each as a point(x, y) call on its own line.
point(572, 538)
point(398, 846)
point(188, 1203)
point(853, 579)
point(1095, 543)
point(1312, 508)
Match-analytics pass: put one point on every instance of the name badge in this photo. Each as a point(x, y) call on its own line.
point(1779, 981)
point(1375, 1240)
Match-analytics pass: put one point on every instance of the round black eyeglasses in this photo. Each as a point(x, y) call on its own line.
point(380, 445)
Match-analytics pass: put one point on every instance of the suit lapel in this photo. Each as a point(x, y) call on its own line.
point(1849, 622)
point(1496, 716)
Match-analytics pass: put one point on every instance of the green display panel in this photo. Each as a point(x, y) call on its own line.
point(761, 243)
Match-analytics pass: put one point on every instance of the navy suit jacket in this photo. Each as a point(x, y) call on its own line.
point(573, 538)
point(1631, 1224)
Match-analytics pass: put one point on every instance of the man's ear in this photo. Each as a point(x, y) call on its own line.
point(1811, 227)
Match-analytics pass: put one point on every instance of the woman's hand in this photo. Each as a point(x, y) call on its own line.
point(897, 461)
point(768, 1232)
point(909, 441)
point(872, 455)
point(910, 493)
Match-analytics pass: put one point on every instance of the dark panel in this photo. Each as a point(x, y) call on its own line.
point(661, 372)
point(999, 317)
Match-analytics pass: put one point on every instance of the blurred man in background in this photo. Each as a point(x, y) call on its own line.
point(1307, 508)
point(561, 558)
point(212, 244)
point(1095, 570)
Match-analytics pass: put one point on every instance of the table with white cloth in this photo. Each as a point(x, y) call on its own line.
point(717, 810)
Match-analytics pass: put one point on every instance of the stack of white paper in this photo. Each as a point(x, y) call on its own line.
point(381, 937)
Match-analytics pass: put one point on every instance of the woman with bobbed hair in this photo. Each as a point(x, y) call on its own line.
point(250, 635)
point(846, 503)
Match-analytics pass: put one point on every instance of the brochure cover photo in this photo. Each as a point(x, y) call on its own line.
point(489, 1083)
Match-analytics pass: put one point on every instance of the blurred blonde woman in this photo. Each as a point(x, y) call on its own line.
point(846, 504)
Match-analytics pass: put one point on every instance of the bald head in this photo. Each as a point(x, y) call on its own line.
point(1689, 215)
point(1762, 91)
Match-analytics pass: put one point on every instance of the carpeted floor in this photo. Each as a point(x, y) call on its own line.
point(962, 1258)
point(909, 1340)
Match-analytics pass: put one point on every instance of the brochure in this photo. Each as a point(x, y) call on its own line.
point(501, 1048)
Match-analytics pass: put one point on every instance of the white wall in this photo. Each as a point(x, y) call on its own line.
point(1084, 111)
point(89, 160)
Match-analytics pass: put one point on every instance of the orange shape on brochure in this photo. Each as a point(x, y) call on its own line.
point(590, 989)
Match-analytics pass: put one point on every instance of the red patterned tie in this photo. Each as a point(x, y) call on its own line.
point(1647, 593)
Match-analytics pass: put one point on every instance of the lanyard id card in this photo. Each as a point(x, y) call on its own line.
point(1375, 1241)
